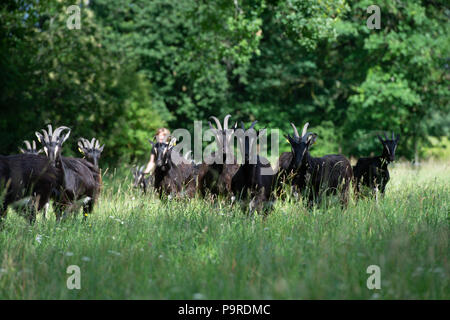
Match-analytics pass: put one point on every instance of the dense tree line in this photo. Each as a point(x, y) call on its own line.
point(137, 65)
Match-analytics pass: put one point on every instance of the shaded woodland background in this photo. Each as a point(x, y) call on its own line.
point(137, 65)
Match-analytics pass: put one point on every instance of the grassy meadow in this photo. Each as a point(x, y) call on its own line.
point(135, 246)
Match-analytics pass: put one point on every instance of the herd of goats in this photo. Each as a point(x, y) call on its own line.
point(31, 180)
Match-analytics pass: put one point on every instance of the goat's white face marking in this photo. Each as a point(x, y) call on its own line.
point(56, 151)
point(46, 151)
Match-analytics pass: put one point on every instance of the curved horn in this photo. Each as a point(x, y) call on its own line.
point(393, 138)
point(242, 126)
point(305, 128)
point(58, 131)
point(80, 144)
point(27, 144)
point(86, 143)
point(305, 136)
point(50, 130)
point(34, 145)
point(186, 156)
point(295, 130)
point(219, 126)
point(46, 138)
point(225, 121)
point(91, 144)
point(385, 136)
point(97, 144)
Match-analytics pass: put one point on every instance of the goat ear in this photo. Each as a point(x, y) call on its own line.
point(397, 137)
point(101, 148)
point(312, 139)
point(21, 150)
point(172, 142)
point(288, 138)
point(39, 136)
point(40, 151)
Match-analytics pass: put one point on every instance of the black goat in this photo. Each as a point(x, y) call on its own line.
point(174, 178)
point(90, 150)
point(373, 172)
point(30, 148)
point(255, 176)
point(139, 180)
point(80, 179)
point(26, 175)
point(318, 176)
point(218, 169)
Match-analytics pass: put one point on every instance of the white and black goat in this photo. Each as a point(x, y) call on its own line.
point(79, 178)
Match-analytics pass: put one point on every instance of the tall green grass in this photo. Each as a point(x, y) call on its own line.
point(135, 246)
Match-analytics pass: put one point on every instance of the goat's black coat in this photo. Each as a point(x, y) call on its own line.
point(25, 175)
point(214, 177)
point(249, 181)
point(373, 171)
point(254, 179)
point(80, 179)
point(317, 176)
point(217, 178)
point(174, 179)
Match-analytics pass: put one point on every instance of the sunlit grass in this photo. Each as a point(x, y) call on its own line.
point(136, 246)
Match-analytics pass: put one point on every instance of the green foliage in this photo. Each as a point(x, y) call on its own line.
point(138, 65)
point(68, 77)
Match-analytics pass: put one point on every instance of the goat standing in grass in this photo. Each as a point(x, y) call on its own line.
point(26, 176)
point(92, 151)
point(79, 178)
point(171, 177)
point(139, 179)
point(326, 175)
point(254, 178)
point(373, 172)
point(215, 176)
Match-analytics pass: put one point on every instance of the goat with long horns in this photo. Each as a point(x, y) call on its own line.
point(326, 175)
point(79, 178)
point(219, 168)
point(91, 150)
